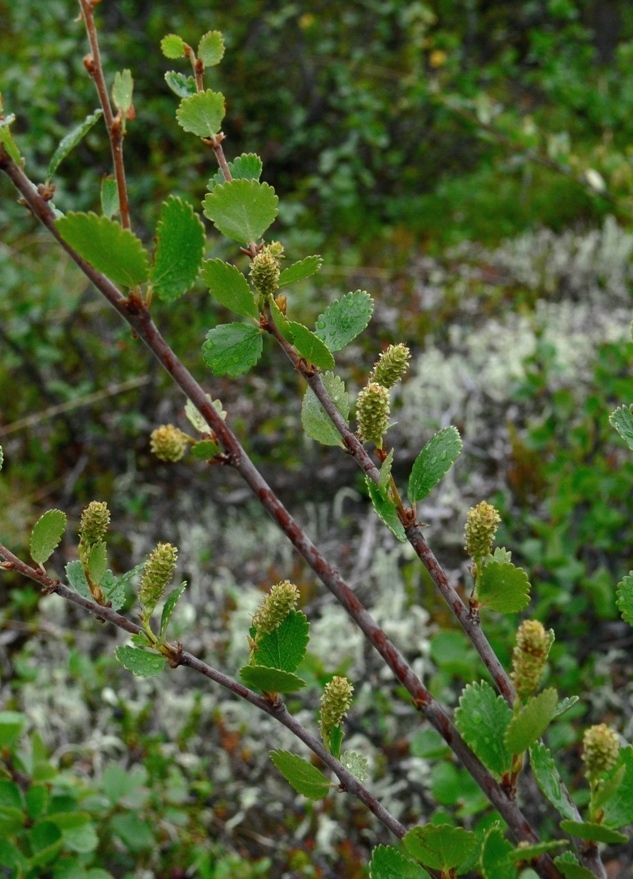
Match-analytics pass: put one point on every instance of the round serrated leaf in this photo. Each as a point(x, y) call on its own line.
point(300, 270)
point(503, 587)
point(179, 249)
point(229, 287)
point(202, 113)
point(172, 46)
point(622, 420)
point(305, 778)
point(248, 166)
point(387, 863)
point(211, 48)
point(285, 647)
point(107, 246)
point(140, 662)
point(434, 461)
point(440, 847)
point(495, 856)
point(232, 349)
point(482, 717)
point(624, 600)
point(315, 420)
point(531, 721)
point(241, 209)
point(46, 535)
point(271, 680)
point(343, 320)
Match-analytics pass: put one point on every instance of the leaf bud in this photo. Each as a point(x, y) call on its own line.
point(274, 609)
point(481, 527)
point(600, 749)
point(157, 572)
point(168, 443)
point(391, 365)
point(372, 413)
point(94, 523)
point(335, 702)
point(265, 268)
point(530, 656)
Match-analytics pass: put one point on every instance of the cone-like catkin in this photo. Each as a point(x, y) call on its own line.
point(481, 527)
point(274, 609)
point(600, 749)
point(372, 413)
point(168, 443)
point(335, 702)
point(391, 365)
point(157, 572)
point(530, 656)
point(94, 523)
point(265, 269)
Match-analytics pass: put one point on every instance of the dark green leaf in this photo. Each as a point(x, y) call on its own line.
point(593, 832)
point(70, 141)
point(46, 535)
point(300, 270)
point(314, 419)
point(107, 246)
point(45, 839)
point(503, 587)
point(434, 461)
point(170, 606)
point(270, 680)
point(140, 662)
point(531, 721)
point(387, 863)
point(386, 509)
point(10, 856)
point(241, 209)
point(482, 718)
point(305, 778)
point(232, 349)
point(496, 854)
point(37, 798)
point(202, 113)
point(343, 320)
point(181, 85)
point(286, 646)
point(179, 249)
point(211, 48)
point(622, 420)
point(440, 847)
point(12, 724)
point(310, 347)
point(549, 781)
point(618, 810)
point(229, 287)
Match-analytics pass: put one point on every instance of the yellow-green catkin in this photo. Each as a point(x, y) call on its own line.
point(93, 526)
point(482, 522)
point(168, 443)
point(529, 656)
point(157, 572)
point(265, 268)
point(274, 609)
point(600, 749)
point(372, 413)
point(391, 365)
point(335, 702)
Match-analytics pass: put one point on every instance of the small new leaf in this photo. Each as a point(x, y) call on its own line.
point(202, 113)
point(314, 418)
point(107, 246)
point(482, 717)
point(229, 287)
point(300, 270)
point(622, 420)
point(70, 141)
point(179, 249)
point(241, 209)
point(181, 85)
point(271, 680)
point(440, 847)
point(386, 509)
point(387, 863)
point(97, 561)
point(531, 722)
point(503, 587)
point(385, 472)
point(286, 646)
point(46, 535)
point(172, 46)
point(310, 347)
point(232, 349)
point(434, 461)
point(305, 778)
point(109, 197)
point(211, 48)
point(624, 600)
point(547, 777)
point(170, 606)
point(343, 320)
point(140, 662)
point(122, 91)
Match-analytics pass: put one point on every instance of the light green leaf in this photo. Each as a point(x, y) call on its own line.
point(270, 680)
point(386, 510)
point(528, 852)
point(170, 606)
point(343, 320)
point(248, 166)
point(77, 829)
point(195, 418)
point(385, 472)
point(77, 579)
point(241, 209)
point(622, 420)
point(179, 249)
point(387, 863)
point(229, 287)
point(434, 461)
point(503, 587)
point(305, 778)
point(314, 418)
point(205, 450)
point(8, 142)
point(172, 46)
point(46, 535)
point(181, 85)
point(564, 705)
point(568, 865)
point(114, 587)
point(310, 347)
point(624, 600)
point(122, 91)
point(109, 197)
point(285, 647)
point(593, 832)
point(356, 764)
point(12, 723)
point(531, 721)
point(618, 810)
point(97, 561)
point(232, 349)
point(300, 270)
point(202, 113)
point(496, 853)
point(70, 141)
point(608, 787)
point(482, 718)
point(140, 662)
point(441, 846)
point(107, 246)
point(211, 48)
point(547, 777)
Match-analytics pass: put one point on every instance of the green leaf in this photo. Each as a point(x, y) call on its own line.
point(503, 587)
point(172, 46)
point(528, 852)
point(248, 166)
point(179, 248)
point(202, 113)
point(77, 579)
point(300, 270)
point(434, 461)
point(241, 209)
point(593, 832)
point(46, 535)
point(355, 763)
point(12, 724)
point(482, 718)
point(109, 197)
point(114, 587)
point(385, 472)
point(618, 810)
point(45, 840)
point(608, 787)
point(568, 865)
point(78, 831)
point(386, 510)
point(211, 48)
point(440, 847)
point(531, 721)
point(140, 662)
point(343, 320)
point(314, 419)
point(547, 777)
point(70, 141)
point(270, 680)
point(107, 246)
point(196, 420)
point(387, 863)
point(564, 705)
point(286, 646)
point(232, 349)
point(180, 84)
point(305, 778)
point(37, 798)
point(310, 347)
point(10, 856)
point(624, 600)
point(205, 450)
point(496, 854)
point(8, 142)
point(170, 606)
point(229, 287)
point(622, 420)
point(122, 91)
point(334, 740)
point(97, 561)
